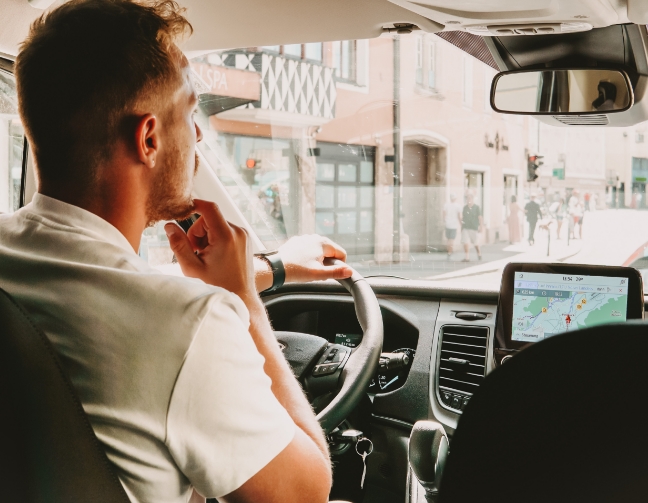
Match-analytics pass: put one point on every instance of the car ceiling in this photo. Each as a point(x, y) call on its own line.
point(247, 23)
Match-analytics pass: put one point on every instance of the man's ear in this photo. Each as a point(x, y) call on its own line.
point(147, 139)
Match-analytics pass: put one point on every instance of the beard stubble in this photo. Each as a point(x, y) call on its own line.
point(167, 199)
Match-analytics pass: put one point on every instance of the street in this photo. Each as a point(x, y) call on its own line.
point(610, 237)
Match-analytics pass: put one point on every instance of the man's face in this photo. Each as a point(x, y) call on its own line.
point(170, 194)
point(471, 200)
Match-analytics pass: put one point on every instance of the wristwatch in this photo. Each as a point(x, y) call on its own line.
point(276, 266)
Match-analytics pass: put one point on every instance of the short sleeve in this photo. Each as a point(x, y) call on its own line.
point(224, 424)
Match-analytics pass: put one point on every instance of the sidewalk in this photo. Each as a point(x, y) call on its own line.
point(558, 249)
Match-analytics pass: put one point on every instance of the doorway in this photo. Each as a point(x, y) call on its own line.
point(415, 195)
point(344, 196)
point(474, 184)
point(510, 190)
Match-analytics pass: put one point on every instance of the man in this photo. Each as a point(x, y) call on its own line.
point(181, 378)
point(576, 214)
point(533, 214)
point(452, 219)
point(472, 224)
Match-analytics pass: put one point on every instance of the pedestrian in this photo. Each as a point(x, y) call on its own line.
point(532, 211)
point(452, 220)
point(514, 221)
point(471, 226)
point(586, 197)
point(558, 210)
point(576, 215)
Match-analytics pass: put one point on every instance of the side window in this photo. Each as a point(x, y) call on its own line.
point(313, 52)
point(344, 60)
point(419, 60)
point(11, 145)
point(432, 66)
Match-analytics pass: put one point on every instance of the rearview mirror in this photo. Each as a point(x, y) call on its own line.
point(575, 91)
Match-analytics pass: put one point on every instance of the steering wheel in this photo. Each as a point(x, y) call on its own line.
point(326, 369)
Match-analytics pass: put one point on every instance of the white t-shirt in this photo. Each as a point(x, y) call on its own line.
point(452, 212)
point(164, 366)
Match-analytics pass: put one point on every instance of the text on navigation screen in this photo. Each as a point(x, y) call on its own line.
point(549, 304)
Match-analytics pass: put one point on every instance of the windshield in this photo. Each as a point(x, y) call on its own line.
point(390, 147)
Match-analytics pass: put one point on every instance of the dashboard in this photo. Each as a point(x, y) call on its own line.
point(450, 339)
point(415, 326)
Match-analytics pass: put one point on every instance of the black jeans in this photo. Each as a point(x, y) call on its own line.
point(532, 226)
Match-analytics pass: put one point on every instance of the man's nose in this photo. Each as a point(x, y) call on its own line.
point(199, 134)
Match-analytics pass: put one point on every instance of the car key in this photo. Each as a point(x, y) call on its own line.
point(364, 451)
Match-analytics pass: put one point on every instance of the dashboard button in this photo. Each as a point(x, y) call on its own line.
point(456, 402)
point(325, 369)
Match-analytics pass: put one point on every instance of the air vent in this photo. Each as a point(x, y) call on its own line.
point(462, 363)
point(583, 120)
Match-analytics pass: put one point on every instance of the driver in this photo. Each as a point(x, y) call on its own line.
point(181, 377)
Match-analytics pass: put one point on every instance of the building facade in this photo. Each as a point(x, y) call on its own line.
point(364, 141)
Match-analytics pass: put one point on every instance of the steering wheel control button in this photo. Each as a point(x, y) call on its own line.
point(324, 369)
point(332, 354)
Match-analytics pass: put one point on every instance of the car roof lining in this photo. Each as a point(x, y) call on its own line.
point(252, 23)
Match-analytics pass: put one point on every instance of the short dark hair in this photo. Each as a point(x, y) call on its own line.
point(82, 70)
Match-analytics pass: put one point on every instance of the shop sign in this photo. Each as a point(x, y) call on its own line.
point(224, 81)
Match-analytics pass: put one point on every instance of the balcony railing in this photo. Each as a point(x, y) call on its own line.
point(299, 92)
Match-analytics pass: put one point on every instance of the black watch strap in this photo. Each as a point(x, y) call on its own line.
point(276, 265)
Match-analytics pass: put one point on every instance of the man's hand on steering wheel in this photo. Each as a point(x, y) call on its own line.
point(303, 258)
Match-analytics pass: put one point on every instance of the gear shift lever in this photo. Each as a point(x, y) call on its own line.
point(428, 450)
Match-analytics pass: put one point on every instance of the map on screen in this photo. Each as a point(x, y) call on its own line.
point(549, 304)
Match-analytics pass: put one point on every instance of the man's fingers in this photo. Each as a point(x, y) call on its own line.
point(181, 246)
point(197, 234)
point(213, 221)
point(335, 272)
point(333, 250)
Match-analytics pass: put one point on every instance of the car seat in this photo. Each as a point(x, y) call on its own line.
point(562, 421)
point(48, 449)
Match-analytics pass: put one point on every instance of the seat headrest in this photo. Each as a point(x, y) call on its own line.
point(562, 421)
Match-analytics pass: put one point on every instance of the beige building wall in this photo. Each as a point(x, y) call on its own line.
point(453, 118)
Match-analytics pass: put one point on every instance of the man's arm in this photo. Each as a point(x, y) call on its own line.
point(303, 259)
point(301, 472)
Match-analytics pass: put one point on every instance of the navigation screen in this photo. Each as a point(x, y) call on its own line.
point(548, 304)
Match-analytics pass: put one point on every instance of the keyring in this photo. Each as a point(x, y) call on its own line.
point(364, 439)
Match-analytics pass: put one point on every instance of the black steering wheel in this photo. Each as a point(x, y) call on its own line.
point(332, 374)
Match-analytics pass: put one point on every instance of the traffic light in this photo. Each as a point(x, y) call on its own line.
point(533, 163)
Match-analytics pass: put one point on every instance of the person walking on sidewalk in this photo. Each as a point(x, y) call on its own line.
point(533, 214)
point(471, 226)
point(514, 221)
point(451, 219)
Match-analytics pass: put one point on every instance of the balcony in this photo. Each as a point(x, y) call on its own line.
point(293, 92)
